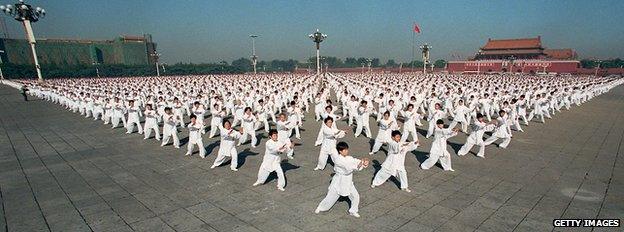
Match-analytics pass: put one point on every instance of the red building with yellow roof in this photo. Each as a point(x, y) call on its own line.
point(525, 55)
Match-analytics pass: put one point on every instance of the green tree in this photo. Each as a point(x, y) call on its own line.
point(243, 64)
point(439, 63)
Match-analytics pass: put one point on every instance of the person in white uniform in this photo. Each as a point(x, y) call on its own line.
point(479, 127)
point(134, 114)
point(227, 146)
point(271, 161)
point(169, 129)
point(328, 147)
point(439, 152)
point(151, 122)
point(362, 119)
point(386, 126)
point(249, 127)
point(283, 133)
point(502, 131)
point(342, 181)
point(394, 165)
point(196, 130)
point(409, 126)
point(435, 114)
point(459, 116)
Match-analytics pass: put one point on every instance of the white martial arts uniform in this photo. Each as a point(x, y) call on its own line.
point(134, 114)
point(394, 165)
point(170, 130)
point(195, 138)
point(328, 147)
point(438, 150)
point(283, 132)
point(342, 184)
point(383, 135)
point(409, 126)
point(362, 120)
point(476, 138)
point(249, 129)
point(227, 148)
point(271, 163)
point(502, 132)
point(151, 123)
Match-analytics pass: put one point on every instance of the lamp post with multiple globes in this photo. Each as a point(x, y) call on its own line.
point(26, 14)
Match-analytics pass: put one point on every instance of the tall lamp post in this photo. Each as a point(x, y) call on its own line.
point(318, 37)
point(26, 14)
point(156, 57)
point(511, 63)
point(425, 55)
point(1, 75)
point(97, 70)
point(254, 58)
point(597, 67)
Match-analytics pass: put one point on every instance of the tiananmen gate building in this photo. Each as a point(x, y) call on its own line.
point(526, 55)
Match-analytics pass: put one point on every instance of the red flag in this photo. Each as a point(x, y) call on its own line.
point(416, 28)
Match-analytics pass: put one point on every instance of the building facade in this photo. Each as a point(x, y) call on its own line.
point(127, 50)
point(525, 55)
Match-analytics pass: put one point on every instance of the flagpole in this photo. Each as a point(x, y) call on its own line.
point(413, 48)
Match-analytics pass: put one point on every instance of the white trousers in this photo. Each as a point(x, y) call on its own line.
point(468, 145)
point(431, 128)
point(222, 157)
point(200, 146)
point(445, 161)
point(361, 127)
point(243, 138)
point(383, 175)
point(130, 126)
point(323, 155)
point(492, 139)
point(148, 130)
point(263, 174)
point(407, 133)
point(115, 120)
point(377, 146)
point(332, 197)
point(464, 125)
point(167, 134)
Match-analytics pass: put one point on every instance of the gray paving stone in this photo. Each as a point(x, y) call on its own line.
point(152, 224)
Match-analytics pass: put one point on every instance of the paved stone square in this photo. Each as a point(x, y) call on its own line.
point(62, 172)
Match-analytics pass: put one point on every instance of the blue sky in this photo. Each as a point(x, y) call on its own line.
point(210, 30)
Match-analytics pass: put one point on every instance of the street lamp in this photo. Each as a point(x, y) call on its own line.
point(425, 55)
point(318, 37)
point(223, 64)
point(254, 58)
point(511, 63)
point(26, 14)
point(156, 57)
point(369, 62)
point(1, 75)
point(597, 67)
point(97, 71)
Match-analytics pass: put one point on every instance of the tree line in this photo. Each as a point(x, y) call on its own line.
point(241, 65)
point(610, 63)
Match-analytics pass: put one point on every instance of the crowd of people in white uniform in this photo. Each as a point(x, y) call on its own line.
point(277, 104)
